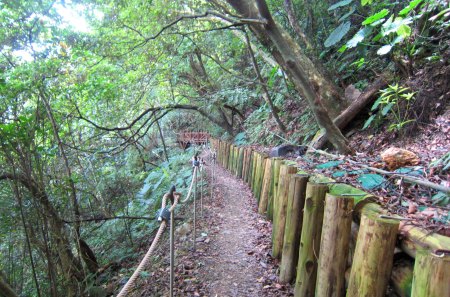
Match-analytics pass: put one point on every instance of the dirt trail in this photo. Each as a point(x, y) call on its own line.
point(233, 244)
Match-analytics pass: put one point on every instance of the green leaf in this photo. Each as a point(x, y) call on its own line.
point(404, 31)
point(330, 164)
point(387, 108)
point(371, 181)
point(345, 16)
point(359, 36)
point(373, 18)
point(392, 26)
point(342, 48)
point(376, 103)
point(384, 49)
point(418, 172)
point(369, 121)
point(337, 34)
point(365, 2)
point(339, 173)
point(410, 7)
point(441, 199)
point(339, 4)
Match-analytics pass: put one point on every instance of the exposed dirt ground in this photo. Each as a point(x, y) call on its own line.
point(233, 245)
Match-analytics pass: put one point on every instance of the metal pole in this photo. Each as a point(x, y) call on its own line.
point(195, 199)
point(201, 191)
point(172, 251)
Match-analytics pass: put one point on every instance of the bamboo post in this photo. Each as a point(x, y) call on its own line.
point(279, 207)
point(374, 247)
point(431, 275)
point(274, 188)
point(334, 246)
point(293, 228)
point(259, 174)
point(305, 282)
point(265, 189)
point(240, 162)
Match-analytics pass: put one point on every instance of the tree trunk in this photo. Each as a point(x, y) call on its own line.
point(266, 94)
point(322, 95)
point(5, 288)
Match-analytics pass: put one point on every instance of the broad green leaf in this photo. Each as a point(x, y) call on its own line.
point(404, 31)
point(393, 26)
point(358, 37)
point(339, 173)
point(441, 199)
point(384, 49)
point(337, 34)
point(365, 2)
point(376, 103)
point(369, 121)
point(411, 171)
point(387, 108)
point(371, 181)
point(413, 4)
point(330, 164)
point(373, 18)
point(339, 4)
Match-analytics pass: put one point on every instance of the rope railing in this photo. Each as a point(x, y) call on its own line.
point(162, 217)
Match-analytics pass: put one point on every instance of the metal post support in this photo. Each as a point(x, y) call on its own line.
point(172, 251)
point(201, 191)
point(195, 207)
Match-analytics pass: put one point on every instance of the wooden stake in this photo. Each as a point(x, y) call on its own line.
point(260, 174)
point(274, 188)
point(240, 162)
point(266, 185)
point(431, 275)
point(279, 207)
point(334, 245)
point(254, 162)
point(293, 228)
point(305, 282)
point(374, 252)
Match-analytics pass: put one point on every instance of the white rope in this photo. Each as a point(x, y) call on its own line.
point(192, 185)
point(146, 258)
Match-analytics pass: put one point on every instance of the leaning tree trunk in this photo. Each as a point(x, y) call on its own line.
point(322, 95)
point(5, 289)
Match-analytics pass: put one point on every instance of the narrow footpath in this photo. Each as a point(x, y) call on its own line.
point(233, 244)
